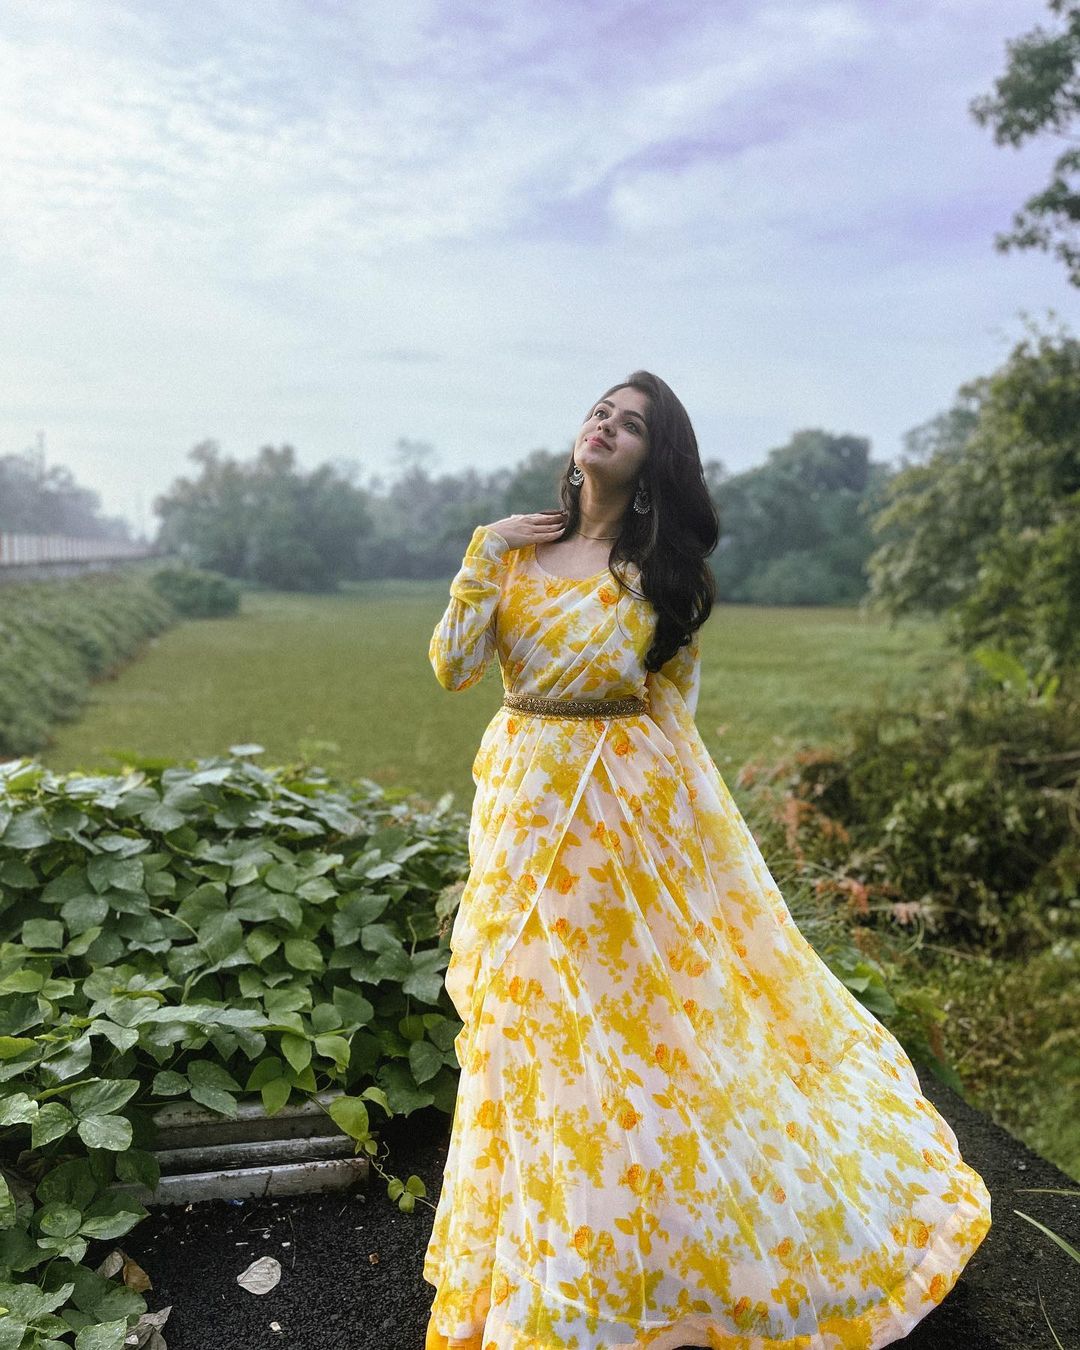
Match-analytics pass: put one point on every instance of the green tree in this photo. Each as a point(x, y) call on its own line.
point(792, 528)
point(930, 527)
point(206, 519)
point(987, 531)
point(423, 523)
point(266, 521)
point(534, 483)
point(1040, 91)
point(39, 500)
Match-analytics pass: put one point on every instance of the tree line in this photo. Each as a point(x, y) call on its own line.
point(794, 530)
point(980, 520)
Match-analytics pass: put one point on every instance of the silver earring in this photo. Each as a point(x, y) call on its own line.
point(575, 476)
point(642, 503)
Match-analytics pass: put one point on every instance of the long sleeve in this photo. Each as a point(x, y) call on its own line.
point(684, 671)
point(464, 638)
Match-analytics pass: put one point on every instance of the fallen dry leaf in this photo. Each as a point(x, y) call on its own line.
point(112, 1265)
point(146, 1333)
point(135, 1277)
point(119, 1263)
point(261, 1276)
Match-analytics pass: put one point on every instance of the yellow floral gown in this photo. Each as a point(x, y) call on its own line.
point(674, 1125)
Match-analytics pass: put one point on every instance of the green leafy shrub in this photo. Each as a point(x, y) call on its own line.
point(957, 811)
point(205, 932)
point(196, 594)
point(58, 636)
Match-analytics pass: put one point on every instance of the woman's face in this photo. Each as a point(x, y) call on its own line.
point(613, 442)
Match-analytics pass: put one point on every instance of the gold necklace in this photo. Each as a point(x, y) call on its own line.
point(597, 536)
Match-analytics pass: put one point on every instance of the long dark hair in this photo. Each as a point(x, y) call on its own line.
point(671, 541)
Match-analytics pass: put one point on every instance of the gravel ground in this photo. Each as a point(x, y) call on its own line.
point(351, 1264)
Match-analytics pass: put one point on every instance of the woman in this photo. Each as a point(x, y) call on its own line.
point(674, 1125)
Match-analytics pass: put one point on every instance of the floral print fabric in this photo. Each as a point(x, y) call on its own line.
point(674, 1125)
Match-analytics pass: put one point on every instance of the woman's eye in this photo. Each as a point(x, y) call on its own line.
point(635, 427)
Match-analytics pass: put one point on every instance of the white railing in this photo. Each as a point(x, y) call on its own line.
point(20, 550)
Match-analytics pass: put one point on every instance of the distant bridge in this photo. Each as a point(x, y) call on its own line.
point(29, 555)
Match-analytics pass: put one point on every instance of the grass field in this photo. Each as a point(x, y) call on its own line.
point(345, 681)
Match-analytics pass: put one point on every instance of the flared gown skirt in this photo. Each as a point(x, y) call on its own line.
point(674, 1125)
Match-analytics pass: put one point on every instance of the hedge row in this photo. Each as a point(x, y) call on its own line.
point(56, 637)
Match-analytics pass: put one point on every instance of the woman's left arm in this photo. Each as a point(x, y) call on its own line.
point(464, 638)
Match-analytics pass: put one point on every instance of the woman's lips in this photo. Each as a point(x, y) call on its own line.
point(597, 440)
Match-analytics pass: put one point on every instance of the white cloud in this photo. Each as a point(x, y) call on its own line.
point(124, 148)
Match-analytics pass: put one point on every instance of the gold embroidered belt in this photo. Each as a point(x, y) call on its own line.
point(630, 706)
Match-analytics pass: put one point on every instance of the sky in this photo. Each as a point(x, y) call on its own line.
point(336, 225)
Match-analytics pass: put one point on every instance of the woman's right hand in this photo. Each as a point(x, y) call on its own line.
point(538, 527)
